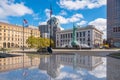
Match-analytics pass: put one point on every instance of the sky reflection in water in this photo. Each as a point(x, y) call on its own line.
point(55, 67)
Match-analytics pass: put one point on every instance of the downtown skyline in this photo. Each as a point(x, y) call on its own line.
point(79, 12)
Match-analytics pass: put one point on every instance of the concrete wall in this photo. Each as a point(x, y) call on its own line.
point(113, 68)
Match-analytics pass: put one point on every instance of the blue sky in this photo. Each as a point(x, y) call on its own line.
point(79, 12)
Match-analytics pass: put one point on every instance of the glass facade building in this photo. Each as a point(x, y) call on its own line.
point(113, 22)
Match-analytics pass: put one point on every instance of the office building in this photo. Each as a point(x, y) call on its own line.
point(11, 36)
point(113, 22)
point(44, 31)
point(89, 36)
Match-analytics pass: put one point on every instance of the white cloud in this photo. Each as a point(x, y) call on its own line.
point(9, 8)
point(42, 23)
point(5, 21)
point(100, 24)
point(47, 12)
point(74, 18)
point(100, 70)
point(61, 28)
point(63, 13)
point(36, 16)
point(62, 19)
point(33, 27)
point(81, 4)
point(82, 23)
point(97, 73)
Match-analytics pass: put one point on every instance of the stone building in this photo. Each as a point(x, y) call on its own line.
point(86, 36)
point(11, 36)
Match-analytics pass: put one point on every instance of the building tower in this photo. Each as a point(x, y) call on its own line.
point(55, 26)
point(113, 22)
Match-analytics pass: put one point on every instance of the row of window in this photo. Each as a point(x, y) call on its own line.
point(97, 35)
point(11, 31)
point(19, 30)
point(78, 34)
point(19, 35)
point(116, 29)
point(11, 39)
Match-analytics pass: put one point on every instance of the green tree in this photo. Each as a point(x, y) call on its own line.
point(44, 42)
point(32, 41)
point(38, 42)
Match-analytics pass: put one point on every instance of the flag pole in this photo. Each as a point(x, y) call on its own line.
point(23, 47)
point(23, 36)
point(50, 22)
point(23, 42)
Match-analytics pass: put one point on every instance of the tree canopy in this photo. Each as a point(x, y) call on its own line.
point(37, 42)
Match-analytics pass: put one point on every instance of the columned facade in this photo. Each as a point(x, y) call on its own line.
point(88, 35)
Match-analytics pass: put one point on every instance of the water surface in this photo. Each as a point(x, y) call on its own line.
point(53, 67)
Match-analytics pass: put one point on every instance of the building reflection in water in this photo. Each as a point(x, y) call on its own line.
point(52, 64)
point(12, 63)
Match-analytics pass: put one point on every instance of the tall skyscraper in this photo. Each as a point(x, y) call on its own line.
point(113, 22)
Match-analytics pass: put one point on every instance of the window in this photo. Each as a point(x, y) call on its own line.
point(114, 29)
point(71, 35)
point(68, 35)
point(77, 34)
point(4, 30)
point(4, 38)
point(80, 34)
point(83, 39)
point(88, 39)
point(84, 34)
point(88, 44)
point(119, 29)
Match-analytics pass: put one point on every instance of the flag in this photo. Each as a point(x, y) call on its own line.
point(25, 73)
point(25, 23)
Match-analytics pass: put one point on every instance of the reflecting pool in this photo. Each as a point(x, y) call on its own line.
point(53, 67)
